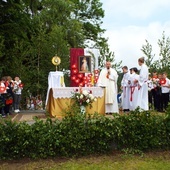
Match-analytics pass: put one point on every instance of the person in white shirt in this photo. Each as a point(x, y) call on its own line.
point(165, 86)
point(108, 79)
point(17, 89)
point(125, 88)
point(143, 85)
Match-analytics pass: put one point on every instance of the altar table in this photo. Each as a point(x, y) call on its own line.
point(55, 79)
point(59, 100)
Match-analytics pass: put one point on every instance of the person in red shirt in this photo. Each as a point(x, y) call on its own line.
point(2, 96)
point(9, 96)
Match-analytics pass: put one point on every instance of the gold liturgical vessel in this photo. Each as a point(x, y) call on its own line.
point(56, 61)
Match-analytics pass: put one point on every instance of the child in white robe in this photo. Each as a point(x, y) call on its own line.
point(134, 99)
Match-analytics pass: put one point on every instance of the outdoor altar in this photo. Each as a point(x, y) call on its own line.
point(60, 98)
point(83, 73)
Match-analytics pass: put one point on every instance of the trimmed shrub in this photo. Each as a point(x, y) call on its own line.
point(78, 135)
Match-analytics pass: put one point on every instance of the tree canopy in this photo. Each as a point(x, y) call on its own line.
point(33, 31)
point(162, 63)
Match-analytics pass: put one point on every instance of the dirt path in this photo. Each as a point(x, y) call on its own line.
point(27, 115)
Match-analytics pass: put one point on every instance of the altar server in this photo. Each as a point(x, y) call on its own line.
point(125, 88)
point(108, 79)
point(133, 95)
point(143, 85)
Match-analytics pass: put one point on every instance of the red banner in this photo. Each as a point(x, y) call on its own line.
point(75, 78)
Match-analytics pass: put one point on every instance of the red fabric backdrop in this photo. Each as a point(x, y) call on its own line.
point(74, 55)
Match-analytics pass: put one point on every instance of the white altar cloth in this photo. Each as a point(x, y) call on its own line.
point(55, 79)
point(67, 92)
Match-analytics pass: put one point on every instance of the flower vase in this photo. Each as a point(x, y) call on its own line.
point(82, 109)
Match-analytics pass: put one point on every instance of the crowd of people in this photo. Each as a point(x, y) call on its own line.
point(159, 91)
point(10, 95)
point(144, 90)
point(139, 89)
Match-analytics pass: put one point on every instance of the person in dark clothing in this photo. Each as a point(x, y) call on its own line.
point(156, 92)
point(9, 96)
point(165, 87)
point(2, 97)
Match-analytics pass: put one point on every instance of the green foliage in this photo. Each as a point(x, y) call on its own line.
point(33, 31)
point(164, 45)
point(147, 131)
point(147, 50)
point(161, 64)
point(77, 135)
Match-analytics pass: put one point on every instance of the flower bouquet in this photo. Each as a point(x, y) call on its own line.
point(83, 97)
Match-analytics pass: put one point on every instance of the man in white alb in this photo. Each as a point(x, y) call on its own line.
point(108, 79)
point(143, 85)
point(126, 89)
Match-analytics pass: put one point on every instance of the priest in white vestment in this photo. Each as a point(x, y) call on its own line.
point(126, 88)
point(108, 79)
point(143, 85)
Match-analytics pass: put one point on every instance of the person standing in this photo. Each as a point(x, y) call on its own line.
point(134, 100)
point(155, 90)
point(150, 88)
point(143, 85)
point(158, 104)
point(108, 79)
point(9, 96)
point(125, 88)
point(17, 93)
point(2, 96)
point(165, 86)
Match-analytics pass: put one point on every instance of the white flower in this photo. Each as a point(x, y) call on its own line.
point(87, 100)
point(95, 99)
point(85, 92)
point(91, 97)
point(81, 96)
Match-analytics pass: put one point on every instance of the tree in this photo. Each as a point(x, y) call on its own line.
point(33, 31)
point(163, 63)
point(147, 50)
point(164, 45)
point(89, 13)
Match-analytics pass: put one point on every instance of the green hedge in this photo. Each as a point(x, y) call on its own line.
point(78, 135)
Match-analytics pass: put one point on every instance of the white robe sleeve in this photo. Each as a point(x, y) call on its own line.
point(101, 78)
point(113, 75)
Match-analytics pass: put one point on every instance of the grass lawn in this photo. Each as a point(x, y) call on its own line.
point(118, 161)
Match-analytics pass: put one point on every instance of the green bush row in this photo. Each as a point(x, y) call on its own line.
point(78, 135)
